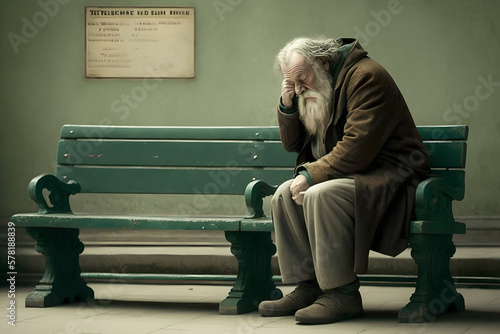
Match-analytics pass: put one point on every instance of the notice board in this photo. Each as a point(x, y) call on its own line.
point(139, 42)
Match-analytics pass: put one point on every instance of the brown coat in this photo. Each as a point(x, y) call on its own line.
point(372, 138)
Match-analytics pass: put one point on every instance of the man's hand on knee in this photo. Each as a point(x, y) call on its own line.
point(297, 188)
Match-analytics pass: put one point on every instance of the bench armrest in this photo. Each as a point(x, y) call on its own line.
point(433, 199)
point(58, 193)
point(254, 193)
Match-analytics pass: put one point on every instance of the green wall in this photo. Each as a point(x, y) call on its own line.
point(441, 53)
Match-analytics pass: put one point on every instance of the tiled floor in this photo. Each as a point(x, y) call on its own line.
point(161, 309)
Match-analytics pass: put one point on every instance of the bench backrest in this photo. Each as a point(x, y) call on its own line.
point(171, 160)
point(208, 160)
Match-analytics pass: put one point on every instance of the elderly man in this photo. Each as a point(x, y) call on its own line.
point(360, 158)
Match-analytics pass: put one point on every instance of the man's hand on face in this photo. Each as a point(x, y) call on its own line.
point(297, 188)
point(287, 93)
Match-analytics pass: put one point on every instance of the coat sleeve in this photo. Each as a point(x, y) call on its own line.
point(372, 99)
point(292, 131)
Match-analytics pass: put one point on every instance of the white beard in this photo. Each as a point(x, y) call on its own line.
point(315, 108)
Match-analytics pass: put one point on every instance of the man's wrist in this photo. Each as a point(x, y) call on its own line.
point(307, 176)
point(289, 110)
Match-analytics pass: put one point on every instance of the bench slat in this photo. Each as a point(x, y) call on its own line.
point(444, 132)
point(440, 132)
point(174, 153)
point(171, 132)
point(259, 224)
point(65, 220)
point(446, 154)
point(150, 180)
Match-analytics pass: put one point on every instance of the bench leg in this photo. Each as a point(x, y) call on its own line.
point(61, 282)
point(254, 283)
point(435, 292)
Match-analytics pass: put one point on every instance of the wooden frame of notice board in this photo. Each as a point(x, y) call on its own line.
point(139, 42)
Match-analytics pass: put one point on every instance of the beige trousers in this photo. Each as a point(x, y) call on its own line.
point(316, 240)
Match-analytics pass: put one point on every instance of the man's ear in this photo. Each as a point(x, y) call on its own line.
point(325, 63)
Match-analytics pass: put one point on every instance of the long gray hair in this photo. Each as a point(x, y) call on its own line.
point(310, 48)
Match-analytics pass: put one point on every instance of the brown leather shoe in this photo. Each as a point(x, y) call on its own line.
point(338, 304)
point(303, 295)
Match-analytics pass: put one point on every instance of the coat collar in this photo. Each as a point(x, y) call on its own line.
point(356, 52)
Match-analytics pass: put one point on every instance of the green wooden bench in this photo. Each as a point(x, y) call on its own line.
point(219, 161)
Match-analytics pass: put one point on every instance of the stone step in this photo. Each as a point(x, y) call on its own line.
point(467, 261)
